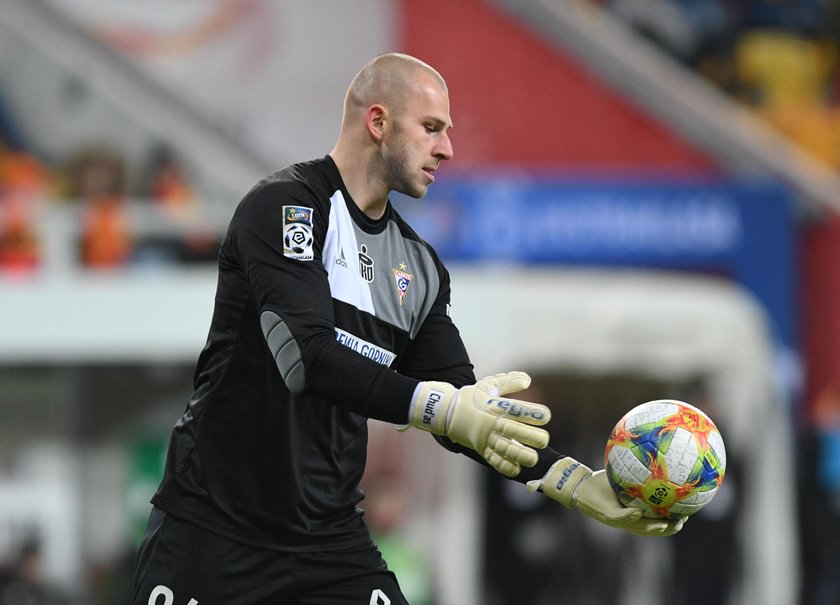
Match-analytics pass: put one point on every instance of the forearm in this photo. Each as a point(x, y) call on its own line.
point(363, 386)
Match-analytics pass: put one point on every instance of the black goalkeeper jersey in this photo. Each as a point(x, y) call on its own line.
point(323, 318)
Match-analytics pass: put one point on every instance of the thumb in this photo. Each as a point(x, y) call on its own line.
point(505, 383)
point(614, 516)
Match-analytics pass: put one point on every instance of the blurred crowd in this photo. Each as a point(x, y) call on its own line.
point(779, 57)
point(21, 581)
point(819, 500)
point(103, 193)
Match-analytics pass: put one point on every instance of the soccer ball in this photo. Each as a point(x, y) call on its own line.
point(665, 457)
point(298, 239)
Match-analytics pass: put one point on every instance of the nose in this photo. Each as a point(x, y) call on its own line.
point(443, 150)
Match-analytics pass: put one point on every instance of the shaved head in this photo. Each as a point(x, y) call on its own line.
point(387, 79)
point(394, 132)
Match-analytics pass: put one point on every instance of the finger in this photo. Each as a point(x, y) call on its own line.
point(505, 467)
point(520, 411)
point(512, 450)
point(508, 382)
point(617, 516)
point(623, 516)
point(523, 433)
point(672, 527)
point(653, 527)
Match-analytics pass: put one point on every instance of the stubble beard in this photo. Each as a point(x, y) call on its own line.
point(401, 177)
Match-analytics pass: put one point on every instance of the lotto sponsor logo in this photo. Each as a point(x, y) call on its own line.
point(297, 214)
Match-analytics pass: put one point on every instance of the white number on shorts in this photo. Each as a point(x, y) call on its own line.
point(168, 597)
point(377, 597)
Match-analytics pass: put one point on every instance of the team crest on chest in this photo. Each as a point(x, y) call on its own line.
point(403, 280)
point(365, 264)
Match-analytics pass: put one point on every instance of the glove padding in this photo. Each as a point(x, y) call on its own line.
point(500, 429)
point(574, 485)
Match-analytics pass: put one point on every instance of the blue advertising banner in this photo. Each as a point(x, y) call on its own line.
point(745, 230)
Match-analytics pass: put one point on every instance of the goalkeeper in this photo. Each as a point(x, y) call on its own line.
point(330, 310)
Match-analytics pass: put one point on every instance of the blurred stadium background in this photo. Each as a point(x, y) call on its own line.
point(643, 203)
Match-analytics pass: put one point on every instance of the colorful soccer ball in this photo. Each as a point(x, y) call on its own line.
point(665, 457)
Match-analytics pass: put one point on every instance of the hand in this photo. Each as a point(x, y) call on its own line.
point(574, 485)
point(498, 428)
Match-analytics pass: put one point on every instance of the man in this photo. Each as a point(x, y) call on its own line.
point(330, 310)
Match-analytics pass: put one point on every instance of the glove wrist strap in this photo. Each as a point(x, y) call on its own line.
point(562, 480)
point(430, 405)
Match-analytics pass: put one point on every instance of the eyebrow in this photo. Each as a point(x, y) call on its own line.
point(438, 122)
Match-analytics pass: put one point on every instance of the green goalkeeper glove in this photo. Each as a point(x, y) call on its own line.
point(574, 485)
point(498, 428)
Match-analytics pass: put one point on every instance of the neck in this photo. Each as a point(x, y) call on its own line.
point(363, 183)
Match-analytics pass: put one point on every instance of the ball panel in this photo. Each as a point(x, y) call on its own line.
point(716, 443)
point(649, 413)
point(642, 506)
point(699, 497)
point(682, 456)
point(627, 466)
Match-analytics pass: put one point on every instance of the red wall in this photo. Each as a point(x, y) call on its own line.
point(821, 306)
point(518, 101)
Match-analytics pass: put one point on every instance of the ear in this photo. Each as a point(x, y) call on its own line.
point(375, 120)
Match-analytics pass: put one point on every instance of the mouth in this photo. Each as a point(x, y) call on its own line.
point(429, 172)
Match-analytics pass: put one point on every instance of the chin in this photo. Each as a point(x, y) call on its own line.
point(414, 192)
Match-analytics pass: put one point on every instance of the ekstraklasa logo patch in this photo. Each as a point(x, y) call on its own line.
point(297, 232)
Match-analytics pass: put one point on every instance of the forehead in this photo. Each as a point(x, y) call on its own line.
point(425, 96)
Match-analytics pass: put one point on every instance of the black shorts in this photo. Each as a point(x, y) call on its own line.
point(182, 564)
